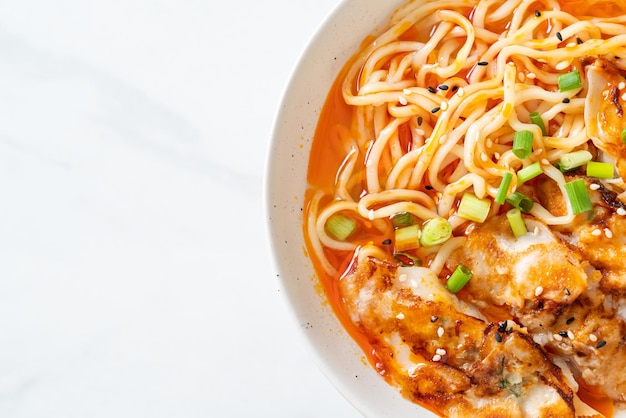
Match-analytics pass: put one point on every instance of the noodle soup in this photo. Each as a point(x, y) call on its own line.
point(466, 205)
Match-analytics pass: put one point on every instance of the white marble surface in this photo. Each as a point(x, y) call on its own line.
point(135, 275)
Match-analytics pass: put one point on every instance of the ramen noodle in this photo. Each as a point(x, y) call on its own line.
point(466, 207)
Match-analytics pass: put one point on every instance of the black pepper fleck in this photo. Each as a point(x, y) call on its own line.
point(455, 88)
point(429, 187)
point(579, 41)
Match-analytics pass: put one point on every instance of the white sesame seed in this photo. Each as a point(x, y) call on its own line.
point(570, 45)
point(440, 331)
point(496, 155)
point(621, 85)
point(420, 132)
point(413, 283)
point(570, 335)
point(400, 316)
point(593, 338)
point(460, 92)
point(371, 215)
point(594, 186)
point(489, 143)
point(531, 75)
point(521, 76)
point(436, 357)
point(402, 278)
point(407, 92)
point(440, 351)
point(538, 290)
point(596, 232)
point(624, 96)
point(536, 231)
point(542, 60)
point(545, 162)
point(621, 211)
point(561, 65)
point(484, 157)
point(444, 106)
point(557, 337)
point(608, 233)
point(402, 100)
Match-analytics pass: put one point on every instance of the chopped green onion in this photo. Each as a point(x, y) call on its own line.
point(574, 159)
point(503, 190)
point(474, 209)
point(407, 238)
point(407, 260)
point(522, 144)
point(600, 170)
point(401, 219)
point(458, 279)
point(569, 81)
point(435, 231)
point(517, 222)
point(624, 135)
point(520, 201)
point(529, 172)
point(535, 118)
point(340, 226)
point(578, 196)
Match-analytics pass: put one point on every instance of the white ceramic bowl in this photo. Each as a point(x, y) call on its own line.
point(339, 358)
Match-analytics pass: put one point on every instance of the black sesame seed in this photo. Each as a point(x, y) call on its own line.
point(482, 63)
point(566, 100)
point(434, 318)
point(537, 13)
point(570, 320)
point(443, 87)
point(432, 89)
point(502, 327)
point(601, 344)
point(559, 36)
point(498, 337)
point(563, 334)
point(420, 120)
point(387, 241)
point(579, 41)
point(435, 109)
point(455, 88)
point(567, 292)
point(429, 187)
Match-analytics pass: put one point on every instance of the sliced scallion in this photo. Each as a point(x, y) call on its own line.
point(340, 226)
point(569, 81)
point(474, 209)
point(522, 144)
point(520, 201)
point(623, 134)
point(529, 172)
point(458, 279)
point(503, 190)
point(401, 219)
point(407, 238)
point(435, 231)
point(600, 170)
point(574, 159)
point(536, 119)
point(517, 222)
point(578, 196)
